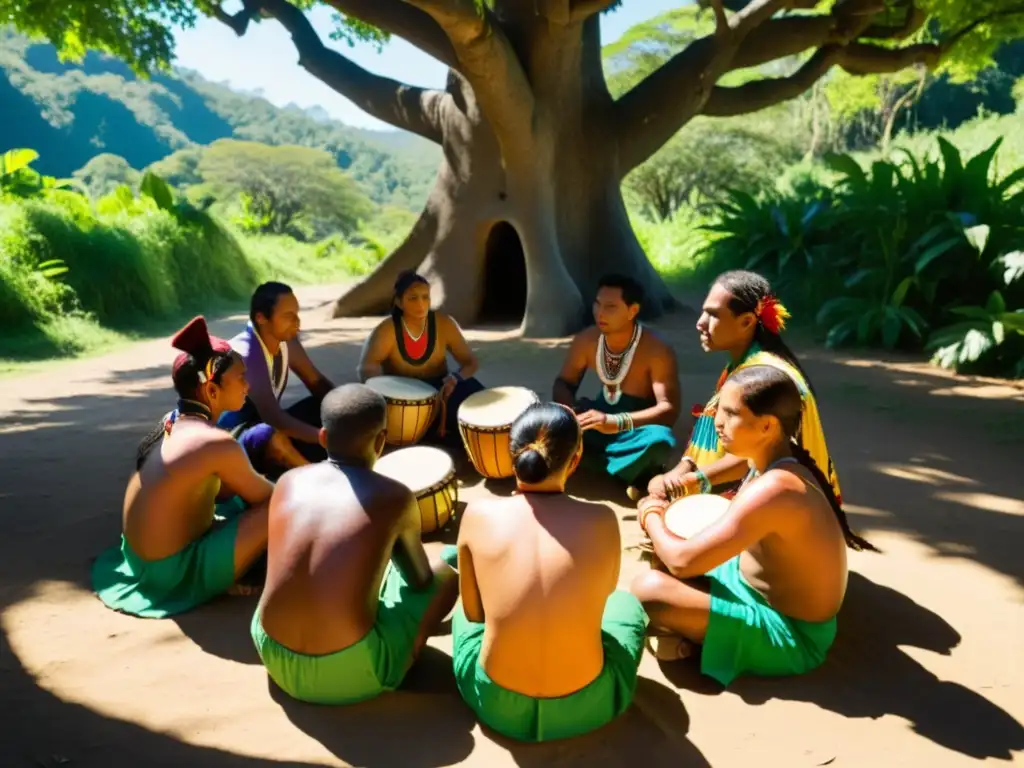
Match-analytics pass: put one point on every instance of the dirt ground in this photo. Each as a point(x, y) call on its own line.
point(928, 669)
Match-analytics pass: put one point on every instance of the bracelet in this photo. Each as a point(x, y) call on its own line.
point(702, 480)
point(623, 422)
point(650, 508)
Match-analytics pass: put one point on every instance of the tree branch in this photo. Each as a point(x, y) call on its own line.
point(400, 18)
point(913, 19)
point(756, 95)
point(414, 109)
point(581, 10)
point(487, 60)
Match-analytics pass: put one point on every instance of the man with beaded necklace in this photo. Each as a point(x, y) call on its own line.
point(628, 428)
point(741, 316)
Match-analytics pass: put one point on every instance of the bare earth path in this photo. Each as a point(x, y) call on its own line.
point(928, 669)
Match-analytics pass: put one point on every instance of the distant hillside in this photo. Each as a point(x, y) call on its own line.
point(70, 113)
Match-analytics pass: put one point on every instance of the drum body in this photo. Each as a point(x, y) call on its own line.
point(689, 515)
point(412, 405)
point(430, 474)
point(485, 423)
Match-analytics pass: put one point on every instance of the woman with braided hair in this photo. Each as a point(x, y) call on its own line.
point(742, 317)
point(776, 560)
point(181, 544)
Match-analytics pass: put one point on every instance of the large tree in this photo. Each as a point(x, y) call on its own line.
point(531, 134)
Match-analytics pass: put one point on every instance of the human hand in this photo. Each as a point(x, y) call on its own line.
point(646, 507)
point(594, 419)
point(448, 385)
point(680, 483)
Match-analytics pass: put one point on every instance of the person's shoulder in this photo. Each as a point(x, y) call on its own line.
point(587, 337)
point(387, 495)
point(383, 330)
point(774, 492)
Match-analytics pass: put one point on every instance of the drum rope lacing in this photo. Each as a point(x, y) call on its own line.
point(613, 368)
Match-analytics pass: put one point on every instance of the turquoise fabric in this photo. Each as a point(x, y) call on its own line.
point(627, 455)
point(156, 589)
point(747, 635)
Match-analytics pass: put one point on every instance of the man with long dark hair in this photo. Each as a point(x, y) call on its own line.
point(742, 317)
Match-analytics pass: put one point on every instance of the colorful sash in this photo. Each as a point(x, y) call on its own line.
point(705, 449)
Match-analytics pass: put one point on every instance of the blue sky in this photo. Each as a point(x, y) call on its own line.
point(265, 59)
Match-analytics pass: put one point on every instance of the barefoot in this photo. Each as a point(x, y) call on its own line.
point(669, 647)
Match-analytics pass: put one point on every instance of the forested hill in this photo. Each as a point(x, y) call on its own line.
point(70, 113)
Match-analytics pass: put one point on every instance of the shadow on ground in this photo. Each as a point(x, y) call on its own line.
point(916, 456)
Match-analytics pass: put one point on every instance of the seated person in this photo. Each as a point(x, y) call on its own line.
point(415, 342)
point(776, 560)
point(179, 547)
point(554, 651)
point(350, 597)
point(741, 317)
point(628, 429)
point(270, 347)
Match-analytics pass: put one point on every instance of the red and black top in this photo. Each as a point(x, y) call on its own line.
point(415, 351)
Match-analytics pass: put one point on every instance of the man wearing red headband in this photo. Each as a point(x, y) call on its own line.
point(742, 317)
point(179, 546)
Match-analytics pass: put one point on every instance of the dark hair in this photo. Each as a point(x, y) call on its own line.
point(632, 291)
point(768, 390)
point(353, 415)
point(747, 289)
point(265, 297)
point(185, 377)
point(405, 280)
point(543, 440)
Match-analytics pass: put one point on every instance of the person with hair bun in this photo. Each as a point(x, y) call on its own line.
point(544, 645)
point(742, 317)
point(775, 561)
point(415, 342)
point(194, 518)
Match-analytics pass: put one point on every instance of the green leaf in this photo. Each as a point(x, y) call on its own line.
point(156, 188)
point(847, 166)
point(975, 344)
point(1013, 320)
point(892, 324)
point(978, 236)
point(929, 236)
point(52, 268)
point(13, 160)
point(935, 252)
point(901, 291)
point(996, 304)
point(1010, 182)
point(977, 313)
point(840, 334)
point(1013, 264)
point(954, 334)
point(860, 276)
point(914, 321)
point(998, 332)
point(866, 326)
point(840, 307)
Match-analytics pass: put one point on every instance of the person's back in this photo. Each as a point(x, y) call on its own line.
point(332, 531)
point(179, 546)
point(544, 646)
point(565, 555)
point(350, 597)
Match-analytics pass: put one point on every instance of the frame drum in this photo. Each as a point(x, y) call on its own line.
point(485, 423)
point(689, 515)
point(412, 405)
point(430, 474)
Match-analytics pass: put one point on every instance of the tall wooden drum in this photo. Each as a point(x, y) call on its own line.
point(430, 474)
point(412, 405)
point(485, 423)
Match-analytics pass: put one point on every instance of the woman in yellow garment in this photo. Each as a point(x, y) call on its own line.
point(741, 316)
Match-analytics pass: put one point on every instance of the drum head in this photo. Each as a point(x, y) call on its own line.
point(690, 515)
point(401, 387)
point(418, 467)
point(497, 407)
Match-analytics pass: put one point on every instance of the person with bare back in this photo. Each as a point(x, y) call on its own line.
point(544, 645)
point(627, 430)
point(415, 342)
point(775, 561)
point(179, 546)
point(350, 598)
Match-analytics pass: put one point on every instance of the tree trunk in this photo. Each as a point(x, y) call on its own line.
point(559, 188)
